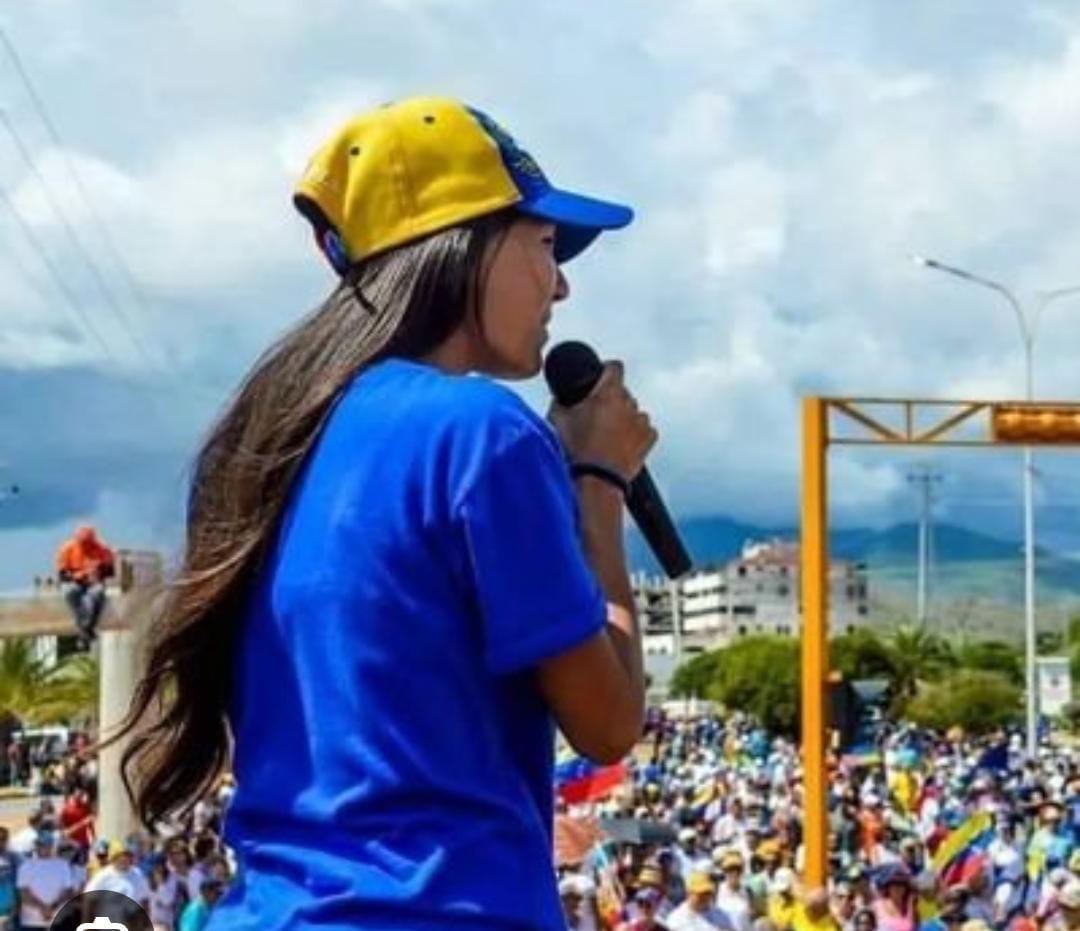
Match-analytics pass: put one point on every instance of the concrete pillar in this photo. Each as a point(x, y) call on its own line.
point(116, 818)
point(121, 645)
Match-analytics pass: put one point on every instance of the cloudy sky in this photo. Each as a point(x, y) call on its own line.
point(784, 157)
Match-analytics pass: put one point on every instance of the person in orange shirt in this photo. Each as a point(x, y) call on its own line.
point(84, 563)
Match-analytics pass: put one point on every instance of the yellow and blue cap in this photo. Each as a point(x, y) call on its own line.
point(408, 169)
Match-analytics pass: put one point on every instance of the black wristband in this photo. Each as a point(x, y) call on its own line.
point(603, 473)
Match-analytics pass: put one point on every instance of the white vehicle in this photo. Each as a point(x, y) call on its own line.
point(51, 734)
point(55, 739)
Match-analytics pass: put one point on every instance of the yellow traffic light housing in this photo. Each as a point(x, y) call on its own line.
point(1035, 424)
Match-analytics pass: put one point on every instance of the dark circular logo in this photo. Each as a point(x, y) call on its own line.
point(101, 911)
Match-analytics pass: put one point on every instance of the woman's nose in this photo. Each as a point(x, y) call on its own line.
point(562, 286)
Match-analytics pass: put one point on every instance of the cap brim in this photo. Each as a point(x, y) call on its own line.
point(579, 219)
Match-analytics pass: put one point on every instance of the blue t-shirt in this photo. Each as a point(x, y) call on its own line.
point(194, 916)
point(393, 750)
point(9, 867)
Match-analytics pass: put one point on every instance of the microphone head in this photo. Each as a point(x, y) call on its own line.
point(571, 370)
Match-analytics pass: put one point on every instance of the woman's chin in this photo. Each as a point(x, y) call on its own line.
point(524, 371)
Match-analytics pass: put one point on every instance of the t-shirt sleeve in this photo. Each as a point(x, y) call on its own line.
point(537, 595)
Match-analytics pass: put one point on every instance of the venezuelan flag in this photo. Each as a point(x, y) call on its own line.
point(580, 780)
point(962, 853)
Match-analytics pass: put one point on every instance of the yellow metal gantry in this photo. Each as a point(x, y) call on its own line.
point(881, 422)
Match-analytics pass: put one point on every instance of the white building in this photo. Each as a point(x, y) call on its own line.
point(756, 593)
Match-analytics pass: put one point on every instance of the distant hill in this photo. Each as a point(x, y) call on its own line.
point(716, 539)
point(710, 540)
point(900, 544)
point(965, 562)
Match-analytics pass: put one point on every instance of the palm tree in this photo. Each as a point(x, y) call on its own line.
point(917, 656)
point(71, 691)
point(33, 693)
point(21, 678)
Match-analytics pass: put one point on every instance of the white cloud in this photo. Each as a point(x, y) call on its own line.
point(700, 125)
point(213, 208)
point(325, 112)
point(1039, 97)
point(39, 203)
point(744, 215)
point(33, 346)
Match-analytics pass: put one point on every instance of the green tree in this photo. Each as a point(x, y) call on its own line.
point(917, 657)
point(22, 677)
point(1071, 714)
point(976, 700)
point(72, 691)
point(759, 675)
point(993, 656)
point(1074, 664)
point(976, 686)
point(1049, 641)
point(34, 693)
point(695, 677)
point(862, 654)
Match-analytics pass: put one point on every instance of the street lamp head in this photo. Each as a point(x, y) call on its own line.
point(920, 260)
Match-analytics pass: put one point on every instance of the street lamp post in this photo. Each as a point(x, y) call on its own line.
point(1029, 326)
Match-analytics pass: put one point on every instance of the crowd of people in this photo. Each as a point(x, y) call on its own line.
point(927, 833)
point(46, 764)
point(176, 875)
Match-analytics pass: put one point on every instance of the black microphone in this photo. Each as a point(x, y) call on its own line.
point(572, 370)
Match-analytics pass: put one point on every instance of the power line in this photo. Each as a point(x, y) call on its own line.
point(111, 247)
point(150, 400)
point(70, 334)
point(54, 273)
point(28, 160)
point(14, 259)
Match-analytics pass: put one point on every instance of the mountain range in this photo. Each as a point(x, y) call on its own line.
point(964, 562)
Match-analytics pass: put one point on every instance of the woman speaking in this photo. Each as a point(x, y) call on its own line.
point(394, 580)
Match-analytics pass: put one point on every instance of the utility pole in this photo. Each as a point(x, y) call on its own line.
point(1027, 317)
point(924, 477)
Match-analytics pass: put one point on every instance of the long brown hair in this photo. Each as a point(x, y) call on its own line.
point(404, 302)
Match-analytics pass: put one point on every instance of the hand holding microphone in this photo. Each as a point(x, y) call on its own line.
point(606, 428)
point(601, 426)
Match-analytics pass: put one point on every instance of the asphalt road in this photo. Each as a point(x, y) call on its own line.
point(13, 812)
